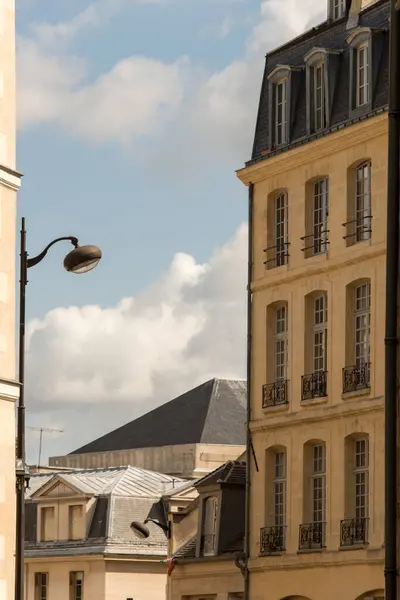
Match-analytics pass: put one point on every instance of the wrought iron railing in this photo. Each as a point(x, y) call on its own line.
point(272, 539)
point(277, 256)
point(275, 394)
point(311, 535)
point(354, 532)
point(358, 229)
point(314, 385)
point(356, 378)
point(316, 242)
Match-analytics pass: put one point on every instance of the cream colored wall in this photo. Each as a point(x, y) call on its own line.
point(59, 570)
point(60, 529)
point(9, 183)
point(202, 579)
point(329, 419)
point(140, 580)
point(187, 460)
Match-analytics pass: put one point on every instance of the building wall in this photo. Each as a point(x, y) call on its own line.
point(59, 569)
point(332, 418)
point(187, 460)
point(9, 183)
point(211, 580)
point(138, 580)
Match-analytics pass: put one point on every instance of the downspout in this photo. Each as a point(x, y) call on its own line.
point(392, 297)
point(248, 417)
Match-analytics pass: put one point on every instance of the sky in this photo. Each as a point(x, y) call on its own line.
point(133, 116)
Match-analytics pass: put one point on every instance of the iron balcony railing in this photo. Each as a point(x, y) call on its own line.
point(354, 532)
point(359, 229)
point(272, 540)
point(277, 256)
point(311, 536)
point(275, 394)
point(356, 378)
point(315, 243)
point(314, 385)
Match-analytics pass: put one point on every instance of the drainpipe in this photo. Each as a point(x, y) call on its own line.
point(392, 297)
point(248, 418)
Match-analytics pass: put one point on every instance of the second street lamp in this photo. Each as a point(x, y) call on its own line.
point(80, 260)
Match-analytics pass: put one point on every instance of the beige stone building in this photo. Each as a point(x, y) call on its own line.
point(318, 183)
point(9, 184)
point(79, 545)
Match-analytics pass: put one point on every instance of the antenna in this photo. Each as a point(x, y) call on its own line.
point(41, 430)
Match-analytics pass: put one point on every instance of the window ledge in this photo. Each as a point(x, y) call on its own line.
point(310, 550)
point(356, 394)
point(354, 547)
point(278, 408)
point(271, 554)
point(320, 257)
point(314, 401)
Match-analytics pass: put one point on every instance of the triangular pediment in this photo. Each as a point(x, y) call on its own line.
point(58, 488)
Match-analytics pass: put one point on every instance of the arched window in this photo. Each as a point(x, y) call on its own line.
point(312, 531)
point(209, 533)
point(359, 203)
point(275, 391)
point(317, 211)
point(277, 252)
point(274, 534)
point(356, 376)
point(314, 383)
point(354, 527)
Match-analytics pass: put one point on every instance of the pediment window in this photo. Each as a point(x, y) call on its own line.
point(321, 76)
point(284, 84)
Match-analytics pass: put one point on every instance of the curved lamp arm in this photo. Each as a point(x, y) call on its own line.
point(31, 262)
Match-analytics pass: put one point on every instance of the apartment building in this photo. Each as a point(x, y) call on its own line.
point(9, 184)
point(317, 190)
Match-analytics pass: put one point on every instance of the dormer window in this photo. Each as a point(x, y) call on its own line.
point(321, 73)
point(365, 56)
point(338, 8)
point(283, 92)
point(209, 533)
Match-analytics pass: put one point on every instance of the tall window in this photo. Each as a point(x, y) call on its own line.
point(210, 526)
point(281, 343)
point(362, 79)
point(320, 216)
point(318, 480)
point(281, 112)
point(280, 490)
point(319, 97)
point(76, 585)
point(338, 9)
point(363, 202)
point(47, 526)
point(320, 333)
point(362, 324)
point(41, 586)
point(281, 229)
point(361, 476)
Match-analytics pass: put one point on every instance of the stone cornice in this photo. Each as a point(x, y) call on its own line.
point(9, 390)
point(315, 150)
point(10, 178)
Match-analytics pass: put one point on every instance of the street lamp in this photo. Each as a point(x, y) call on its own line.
point(80, 260)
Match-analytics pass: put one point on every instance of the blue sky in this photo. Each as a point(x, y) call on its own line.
point(133, 116)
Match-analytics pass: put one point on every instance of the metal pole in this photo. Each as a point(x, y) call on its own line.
point(392, 297)
point(20, 475)
point(248, 419)
point(40, 446)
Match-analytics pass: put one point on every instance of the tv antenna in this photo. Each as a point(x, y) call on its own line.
point(42, 430)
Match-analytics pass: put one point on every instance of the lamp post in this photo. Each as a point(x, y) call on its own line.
point(80, 260)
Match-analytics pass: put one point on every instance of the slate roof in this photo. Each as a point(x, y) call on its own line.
point(212, 413)
point(233, 473)
point(123, 495)
point(188, 551)
point(332, 36)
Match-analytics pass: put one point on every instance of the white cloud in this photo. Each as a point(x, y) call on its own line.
point(89, 369)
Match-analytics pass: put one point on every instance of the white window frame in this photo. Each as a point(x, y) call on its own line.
point(362, 74)
point(279, 484)
point(77, 579)
point(362, 325)
point(320, 333)
point(281, 117)
point(361, 477)
point(319, 96)
point(320, 210)
point(363, 201)
point(338, 8)
point(318, 484)
point(210, 525)
point(281, 343)
point(281, 226)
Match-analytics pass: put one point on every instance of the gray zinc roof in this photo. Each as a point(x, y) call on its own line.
point(212, 413)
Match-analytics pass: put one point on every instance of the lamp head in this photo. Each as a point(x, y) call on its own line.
point(82, 259)
point(140, 530)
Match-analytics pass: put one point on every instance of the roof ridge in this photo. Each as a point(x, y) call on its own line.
point(215, 384)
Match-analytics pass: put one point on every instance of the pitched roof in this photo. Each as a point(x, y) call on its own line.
point(232, 472)
point(212, 413)
point(123, 495)
point(189, 549)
